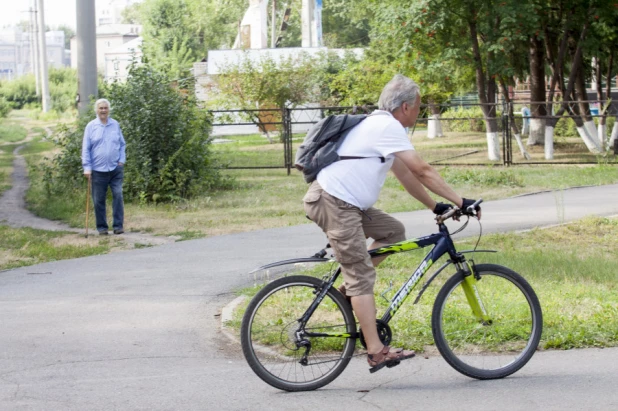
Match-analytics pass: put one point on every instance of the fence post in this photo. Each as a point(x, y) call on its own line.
point(287, 138)
point(506, 133)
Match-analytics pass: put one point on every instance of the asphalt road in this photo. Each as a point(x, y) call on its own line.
point(139, 330)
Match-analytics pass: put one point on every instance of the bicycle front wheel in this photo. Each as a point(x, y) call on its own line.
point(287, 355)
point(494, 349)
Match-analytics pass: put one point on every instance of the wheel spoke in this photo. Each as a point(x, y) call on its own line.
point(488, 350)
point(270, 341)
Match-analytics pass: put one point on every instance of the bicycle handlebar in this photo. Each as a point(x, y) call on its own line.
point(456, 212)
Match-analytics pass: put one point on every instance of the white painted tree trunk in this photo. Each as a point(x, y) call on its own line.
point(537, 131)
point(591, 143)
point(493, 146)
point(520, 143)
point(602, 133)
point(434, 126)
point(592, 131)
point(549, 143)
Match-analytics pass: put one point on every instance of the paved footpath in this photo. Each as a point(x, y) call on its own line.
point(139, 330)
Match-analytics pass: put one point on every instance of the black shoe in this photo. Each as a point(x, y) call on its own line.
point(119, 231)
point(103, 233)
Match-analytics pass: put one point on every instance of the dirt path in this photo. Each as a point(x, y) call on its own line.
point(13, 211)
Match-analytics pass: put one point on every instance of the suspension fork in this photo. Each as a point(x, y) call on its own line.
point(469, 285)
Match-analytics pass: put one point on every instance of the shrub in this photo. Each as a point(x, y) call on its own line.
point(5, 107)
point(565, 127)
point(168, 153)
point(168, 156)
point(463, 120)
point(21, 92)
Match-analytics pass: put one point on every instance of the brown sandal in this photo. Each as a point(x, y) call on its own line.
point(387, 357)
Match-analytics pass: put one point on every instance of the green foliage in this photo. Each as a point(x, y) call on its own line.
point(266, 84)
point(21, 92)
point(565, 127)
point(345, 89)
point(168, 154)
point(178, 32)
point(63, 173)
point(5, 107)
point(471, 120)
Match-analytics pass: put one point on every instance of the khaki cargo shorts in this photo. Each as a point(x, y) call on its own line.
point(347, 228)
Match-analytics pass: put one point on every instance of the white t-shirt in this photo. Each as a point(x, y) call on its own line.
point(359, 181)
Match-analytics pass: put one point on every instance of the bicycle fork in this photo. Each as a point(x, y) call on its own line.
point(469, 286)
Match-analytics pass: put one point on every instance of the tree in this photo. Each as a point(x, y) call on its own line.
point(131, 14)
point(169, 41)
point(457, 33)
point(266, 83)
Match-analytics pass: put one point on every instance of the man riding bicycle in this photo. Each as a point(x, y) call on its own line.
point(340, 201)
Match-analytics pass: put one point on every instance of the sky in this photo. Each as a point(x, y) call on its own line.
point(57, 12)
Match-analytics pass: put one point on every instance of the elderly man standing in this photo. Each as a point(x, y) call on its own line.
point(341, 200)
point(103, 159)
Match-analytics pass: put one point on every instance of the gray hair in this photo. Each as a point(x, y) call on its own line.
point(399, 90)
point(99, 101)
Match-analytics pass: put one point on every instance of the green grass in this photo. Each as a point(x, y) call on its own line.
point(572, 268)
point(11, 133)
point(27, 246)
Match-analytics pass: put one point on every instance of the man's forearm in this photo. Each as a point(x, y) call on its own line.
point(435, 183)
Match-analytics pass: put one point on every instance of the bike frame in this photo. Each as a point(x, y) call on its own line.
point(443, 244)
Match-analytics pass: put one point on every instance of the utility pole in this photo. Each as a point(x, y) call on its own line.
point(273, 21)
point(34, 51)
point(46, 103)
point(86, 53)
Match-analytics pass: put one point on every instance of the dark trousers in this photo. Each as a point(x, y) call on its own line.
point(100, 181)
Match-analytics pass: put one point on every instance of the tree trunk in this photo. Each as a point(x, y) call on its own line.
point(584, 106)
point(434, 127)
point(485, 94)
point(537, 93)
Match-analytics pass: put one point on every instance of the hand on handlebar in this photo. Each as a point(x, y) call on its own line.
point(442, 208)
point(471, 207)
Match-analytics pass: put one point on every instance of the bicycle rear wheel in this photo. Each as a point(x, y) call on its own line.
point(275, 345)
point(495, 350)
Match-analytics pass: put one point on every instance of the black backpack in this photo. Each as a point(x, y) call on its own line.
point(319, 149)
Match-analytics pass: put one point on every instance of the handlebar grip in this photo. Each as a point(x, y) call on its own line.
point(472, 208)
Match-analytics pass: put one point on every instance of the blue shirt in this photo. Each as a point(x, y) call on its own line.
point(103, 146)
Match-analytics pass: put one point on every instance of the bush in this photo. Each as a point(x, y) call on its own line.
point(21, 92)
point(472, 120)
point(168, 155)
point(565, 127)
point(5, 107)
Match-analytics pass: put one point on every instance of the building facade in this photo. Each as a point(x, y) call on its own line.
point(109, 37)
point(15, 55)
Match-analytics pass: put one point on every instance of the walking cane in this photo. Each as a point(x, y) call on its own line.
point(87, 203)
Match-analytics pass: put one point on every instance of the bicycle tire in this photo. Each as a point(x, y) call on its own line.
point(268, 334)
point(488, 351)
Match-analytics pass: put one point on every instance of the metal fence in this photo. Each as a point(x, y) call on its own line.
point(453, 135)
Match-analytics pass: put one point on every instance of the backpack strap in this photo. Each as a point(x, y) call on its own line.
point(382, 159)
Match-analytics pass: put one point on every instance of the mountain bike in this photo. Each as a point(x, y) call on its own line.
point(298, 333)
